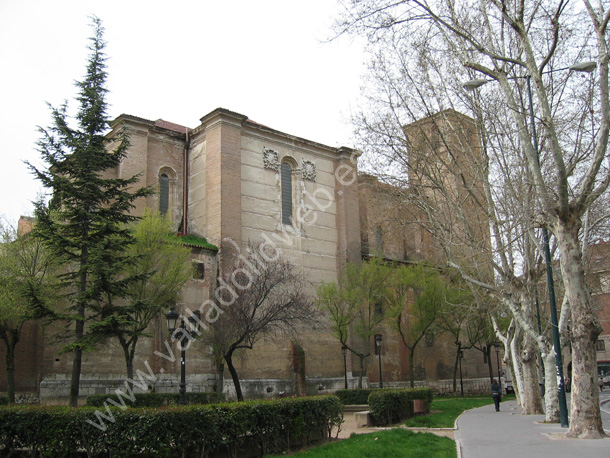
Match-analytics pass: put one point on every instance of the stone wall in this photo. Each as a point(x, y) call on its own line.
point(480, 386)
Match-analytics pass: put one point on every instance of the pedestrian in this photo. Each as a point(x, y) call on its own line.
point(496, 392)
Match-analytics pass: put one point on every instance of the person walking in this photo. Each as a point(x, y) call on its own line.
point(496, 392)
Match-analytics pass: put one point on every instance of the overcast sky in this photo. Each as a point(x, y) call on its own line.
point(177, 61)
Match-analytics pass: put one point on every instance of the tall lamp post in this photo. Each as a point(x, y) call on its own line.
point(471, 85)
point(378, 339)
point(461, 356)
point(344, 349)
point(497, 347)
point(172, 318)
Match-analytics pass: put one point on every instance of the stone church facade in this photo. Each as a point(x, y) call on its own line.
point(232, 180)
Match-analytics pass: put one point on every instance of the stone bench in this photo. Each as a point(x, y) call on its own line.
point(363, 419)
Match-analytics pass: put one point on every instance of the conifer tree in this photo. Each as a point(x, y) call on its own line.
point(85, 225)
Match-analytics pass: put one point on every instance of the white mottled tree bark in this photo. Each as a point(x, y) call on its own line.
point(585, 421)
point(509, 42)
point(551, 396)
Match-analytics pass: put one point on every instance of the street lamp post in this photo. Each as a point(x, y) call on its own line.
point(344, 349)
point(378, 339)
point(471, 85)
point(497, 347)
point(172, 318)
point(461, 355)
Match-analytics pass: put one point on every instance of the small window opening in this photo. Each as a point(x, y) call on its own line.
point(198, 271)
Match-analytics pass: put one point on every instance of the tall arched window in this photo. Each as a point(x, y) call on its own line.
point(163, 193)
point(286, 193)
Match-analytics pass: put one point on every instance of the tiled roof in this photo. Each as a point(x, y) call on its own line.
point(171, 126)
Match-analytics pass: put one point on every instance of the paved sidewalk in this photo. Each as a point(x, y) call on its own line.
point(484, 433)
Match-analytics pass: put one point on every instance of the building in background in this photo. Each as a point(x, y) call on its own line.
point(231, 180)
point(598, 277)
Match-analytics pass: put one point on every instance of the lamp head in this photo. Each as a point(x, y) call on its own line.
point(474, 84)
point(378, 339)
point(172, 319)
point(586, 67)
point(195, 322)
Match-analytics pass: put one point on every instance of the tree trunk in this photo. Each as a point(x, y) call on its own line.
point(10, 339)
point(585, 418)
point(551, 398)
point(220, 380)
point(585, 421)
point(361, 357)
point(531, 402)
point(129, 355)
point(234, 376)
point(77, 363)
point(412, 367)
point(455, 368)
point(80, 324)
point(516, 364)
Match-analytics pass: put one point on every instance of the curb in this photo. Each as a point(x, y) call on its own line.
point(458, 444)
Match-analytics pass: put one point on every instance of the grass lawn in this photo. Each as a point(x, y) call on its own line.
point(393, 443)
point(450, 409)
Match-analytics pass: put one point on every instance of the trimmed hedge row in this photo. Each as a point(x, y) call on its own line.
point(3, 400)
point(236, 429)
point(391, 406)
point(154, 399)
point(355, 396)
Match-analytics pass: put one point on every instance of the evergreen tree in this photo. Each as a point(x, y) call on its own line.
point(86, 225)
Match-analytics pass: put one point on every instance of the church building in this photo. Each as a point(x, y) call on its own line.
point(232, 180)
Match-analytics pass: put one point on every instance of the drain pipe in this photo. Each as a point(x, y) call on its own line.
point(185, 186)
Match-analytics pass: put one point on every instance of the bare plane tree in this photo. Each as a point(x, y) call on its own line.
point(561, 175)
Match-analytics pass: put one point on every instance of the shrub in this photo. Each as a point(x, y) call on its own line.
point(256, 426)
point(422, 393)
point(3, 400)
point(390, 406)
point(153, 399)
point(354, 396)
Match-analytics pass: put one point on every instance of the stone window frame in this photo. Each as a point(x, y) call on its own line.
point(287, 196)
point(171, 189)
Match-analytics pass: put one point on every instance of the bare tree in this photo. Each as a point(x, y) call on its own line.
point(511, 42)
point(265, 297)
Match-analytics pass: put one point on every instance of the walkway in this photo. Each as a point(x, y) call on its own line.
point(484, 433)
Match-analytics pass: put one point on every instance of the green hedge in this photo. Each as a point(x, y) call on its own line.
point(391, 406)
point(154, 399)
point(258, 427)
point(355, 396)
point(3, 400)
